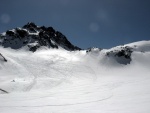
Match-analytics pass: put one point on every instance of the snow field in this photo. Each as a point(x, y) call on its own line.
point(58, 81)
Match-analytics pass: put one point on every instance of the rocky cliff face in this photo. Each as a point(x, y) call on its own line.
point(33, 37)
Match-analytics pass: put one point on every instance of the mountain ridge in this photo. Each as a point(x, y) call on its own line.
point(34, 37)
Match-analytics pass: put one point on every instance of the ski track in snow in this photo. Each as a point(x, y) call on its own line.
point(65, 72)
point(64, 104)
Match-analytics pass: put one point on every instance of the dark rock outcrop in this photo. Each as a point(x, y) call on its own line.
point(3, 58)
point(10, 33)
point(30, 25)
point(3, 91)
point(121, 55)
point(34, 37)
point(22, 33)
point(92, 49)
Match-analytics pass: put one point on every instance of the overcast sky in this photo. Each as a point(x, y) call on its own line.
point(86, 23)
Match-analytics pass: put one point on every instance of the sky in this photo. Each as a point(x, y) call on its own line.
point(86, 23)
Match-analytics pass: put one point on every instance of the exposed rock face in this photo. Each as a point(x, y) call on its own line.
point(33, 37)
point(125, 52)
point(121, 55)
point(21, 33)
point(93, 49)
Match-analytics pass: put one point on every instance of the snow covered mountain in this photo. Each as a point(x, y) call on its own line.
point(66, 79)
point(33, 37)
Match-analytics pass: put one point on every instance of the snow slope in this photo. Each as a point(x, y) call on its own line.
point(61, 81)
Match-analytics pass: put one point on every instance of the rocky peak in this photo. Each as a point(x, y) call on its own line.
point(33, 37)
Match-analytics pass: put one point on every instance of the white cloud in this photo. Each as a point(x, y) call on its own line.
point(5, 18)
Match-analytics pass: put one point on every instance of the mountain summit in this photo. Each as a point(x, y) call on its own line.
point(33, 37)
